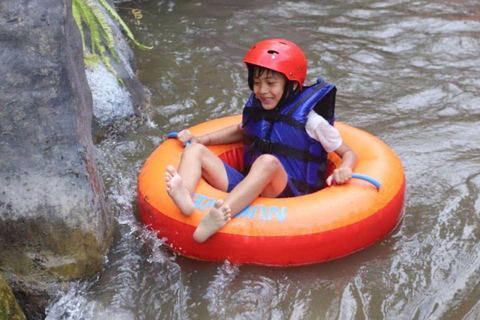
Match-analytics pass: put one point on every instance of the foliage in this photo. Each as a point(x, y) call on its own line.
point(90, 13)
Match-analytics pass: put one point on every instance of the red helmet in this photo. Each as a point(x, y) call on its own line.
point(279, 55)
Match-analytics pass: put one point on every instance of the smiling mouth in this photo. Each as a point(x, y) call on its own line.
point(266, 100)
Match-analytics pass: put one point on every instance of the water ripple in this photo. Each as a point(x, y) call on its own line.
point(406, 71)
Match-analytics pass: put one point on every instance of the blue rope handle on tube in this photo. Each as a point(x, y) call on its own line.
point(174, 135)
point(367, 178)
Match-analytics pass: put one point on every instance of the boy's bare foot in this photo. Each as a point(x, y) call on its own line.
point(176, 190)
point(216, 218)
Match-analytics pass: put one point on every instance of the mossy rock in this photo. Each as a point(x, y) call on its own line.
point(9, 308)
point(55, 219)
point(49, 249)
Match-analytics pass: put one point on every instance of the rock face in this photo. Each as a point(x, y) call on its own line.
point(54, 219)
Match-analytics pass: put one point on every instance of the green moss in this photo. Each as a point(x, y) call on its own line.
point(9, 308)
point(50, 249)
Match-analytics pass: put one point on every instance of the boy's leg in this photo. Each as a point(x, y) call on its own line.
point(267, 177)
point(196, 161)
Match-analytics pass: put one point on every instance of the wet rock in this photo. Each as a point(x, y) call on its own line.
point(55, 223)
point(9, 308)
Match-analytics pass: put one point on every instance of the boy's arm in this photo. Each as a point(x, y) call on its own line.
point(343, 173)
point(230, 134)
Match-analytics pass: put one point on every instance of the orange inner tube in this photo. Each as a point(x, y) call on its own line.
point(356, 210)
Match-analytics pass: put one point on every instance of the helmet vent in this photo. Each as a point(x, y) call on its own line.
point(272, 52)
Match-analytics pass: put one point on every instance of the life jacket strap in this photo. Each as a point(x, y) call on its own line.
point(270, 147)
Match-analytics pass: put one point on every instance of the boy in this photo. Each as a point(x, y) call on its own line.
point(286, 141)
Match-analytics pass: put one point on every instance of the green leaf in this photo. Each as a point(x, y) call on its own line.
point(129, 33)
point(89, 12)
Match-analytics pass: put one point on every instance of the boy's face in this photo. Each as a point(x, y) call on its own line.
point(268, 88)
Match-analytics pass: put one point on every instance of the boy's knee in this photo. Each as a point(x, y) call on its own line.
point(267, 162)
point(195, 150)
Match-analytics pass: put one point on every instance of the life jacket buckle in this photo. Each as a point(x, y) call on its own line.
point(266, 146)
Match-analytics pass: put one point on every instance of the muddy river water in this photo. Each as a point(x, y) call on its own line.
point(407, 71)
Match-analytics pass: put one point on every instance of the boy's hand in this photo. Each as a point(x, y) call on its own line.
point(340, 176)
point(185, 135)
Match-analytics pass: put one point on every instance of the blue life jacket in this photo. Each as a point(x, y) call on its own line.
point(281, 132)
